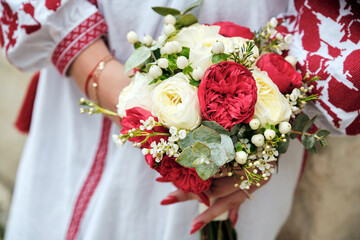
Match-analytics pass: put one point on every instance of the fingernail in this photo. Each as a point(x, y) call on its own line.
point(204, 199)
point(197, 227)
point(161, 179)
point(169, 200)
point(235, 220)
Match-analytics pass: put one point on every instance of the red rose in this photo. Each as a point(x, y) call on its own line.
point(132, 120)
point(281, 72)
point(183, 178)
point(229, 29)
point(227, 94)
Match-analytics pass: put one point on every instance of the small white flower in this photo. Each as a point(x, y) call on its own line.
point(273, 22)
point(182, 134)
point(145, 151)
point(288, 38)
point(284, 127)
point(245, 144)
point(132, 37)
point(174, 138)
point(170, 19)
point(155, 71)
point(182, 62)
point(291, 59)
point(269, 134)
point(169, 29)
point(242, 131)
point(245, 184)
point(218, 47)
point(147, 40)
point(198, 73)
point(173, 130)
point(241, 157)
point(254, 124)
point(283, 46)
point(258, 140)
point(279, 36)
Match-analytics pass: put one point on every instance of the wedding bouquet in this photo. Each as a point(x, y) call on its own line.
point(213, 99)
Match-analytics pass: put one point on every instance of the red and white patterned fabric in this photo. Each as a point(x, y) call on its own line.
point(35, 33)
point(327, 44)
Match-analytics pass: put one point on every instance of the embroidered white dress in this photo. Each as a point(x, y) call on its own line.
point(73, 182)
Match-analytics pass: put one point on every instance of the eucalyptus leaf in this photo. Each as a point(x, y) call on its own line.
point(202, 160)
point(192, 6)
point(298, 124)
point(218, 154)
point(163, 11)
point(206, 135)
point(206, 171)
point(186, 20)
point(309, 124)
point(187, 141)
point(235, 129)
point(215, 126)
point(312, 150)
point(138, 57)
point(201, 150)
point(283, 146)
point(323, 142)
point(227, 143)
point(322, 133)
point(308, 141)
point(186, 158)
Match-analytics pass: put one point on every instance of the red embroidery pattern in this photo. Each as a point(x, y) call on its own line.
point(91, 182)
point(52, 4)
point(93, 2)
point(77, 39)
point(29, 9)
point(329, 31)
point(10, 19)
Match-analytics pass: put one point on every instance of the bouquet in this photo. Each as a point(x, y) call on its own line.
point(213, 99)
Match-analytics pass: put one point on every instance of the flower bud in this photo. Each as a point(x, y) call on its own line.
point(182, 134)
point(218, 47)
point(163, 62)
point(258, 140)
point(284, 127)
point(161, 38)
point(273, 22)
point(198, 73)
point(241, 157)
point(177, 45)
point(254, 124)
point(291, 59)
point(288, 38)
point(279, 36)
point(170, 19)
point(155, 71)
point(132, 37)
point(269, 134)
point(145, 151)
point(182, 62)
point(147, 40)
point(169, 29)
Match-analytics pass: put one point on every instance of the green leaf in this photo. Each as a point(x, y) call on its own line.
point(187, 141)
point(202, 160)
point(238, 147)
point(201, 150)
point(206, 171)
point(322, 133)
point(308, 124)
point(186, 20)
point(312, 150)
point(308, 141)
point(216, 58)
point(192, 6)
point(186, 158)
point(137, 45)
point(138, 57)
point(163, 11)
point(298, 124)
point(228, 145)
point(194, 83)
point(283, 146)
point(206, 135)
point(235, 129)
point(323, 142)
point(185, 52)
point(215, 126)
point(267, 125)
point(218, 154)
point(187, 70)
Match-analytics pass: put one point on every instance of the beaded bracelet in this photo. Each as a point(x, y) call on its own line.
point(95, 74)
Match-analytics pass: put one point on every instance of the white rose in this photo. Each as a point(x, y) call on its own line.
point(136, 94)
point(271, 105)
point(176, 104)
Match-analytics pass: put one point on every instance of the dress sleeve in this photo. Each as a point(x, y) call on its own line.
point(35, 34)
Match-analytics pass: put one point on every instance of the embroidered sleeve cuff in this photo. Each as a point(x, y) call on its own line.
point(77, 40)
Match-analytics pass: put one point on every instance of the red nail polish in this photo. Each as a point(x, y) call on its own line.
point(204, 199)
point(169, 200)
point(197, 227)
point(235, 220)
point(161, 179)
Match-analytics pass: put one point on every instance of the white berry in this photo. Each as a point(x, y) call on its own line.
point(254, 124)
point(163, 62)
point(284, 127)
point(198, 73)
point(269, 134)
point(288, 38)
point(241, 157)
point(169, 29)
point(155, 71)
point(258, 140)
point(182, 62)
point(177, 45)
point(273, 22)
point(147, 40)
point(170, 19)
point(132, 37)
point(218, 47)
point(291, 59)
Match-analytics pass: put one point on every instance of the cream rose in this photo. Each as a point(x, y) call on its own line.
point(136, 94)
point(175, 103)
point(271, 105)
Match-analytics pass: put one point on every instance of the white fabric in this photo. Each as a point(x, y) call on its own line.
point(126, 205)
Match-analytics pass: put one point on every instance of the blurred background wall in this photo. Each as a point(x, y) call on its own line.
point(327, 201)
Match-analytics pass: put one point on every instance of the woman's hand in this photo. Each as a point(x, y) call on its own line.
point(228, 198)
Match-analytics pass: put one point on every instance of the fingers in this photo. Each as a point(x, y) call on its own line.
point(221, 187)
point(232, 202)
point(233, 215)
